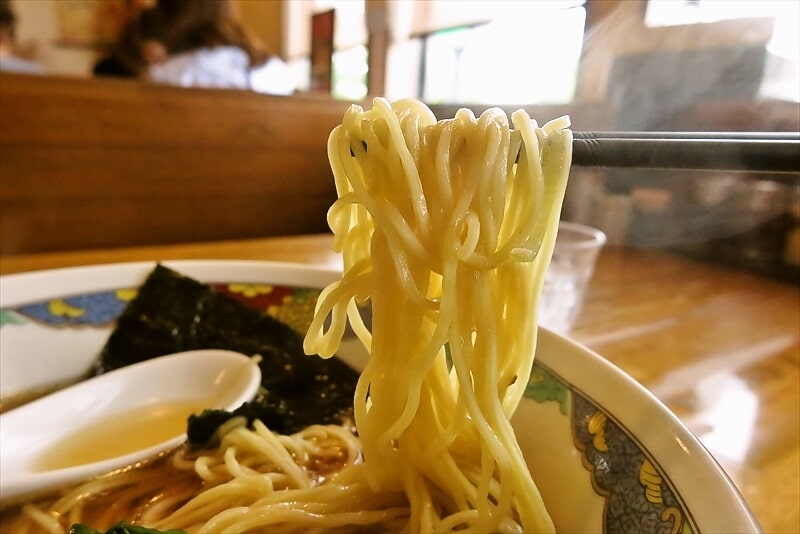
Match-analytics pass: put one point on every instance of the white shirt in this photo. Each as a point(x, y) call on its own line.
point(16, 64)
point(224, 67)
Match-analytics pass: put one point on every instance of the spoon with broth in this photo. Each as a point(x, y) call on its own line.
point(116, 419)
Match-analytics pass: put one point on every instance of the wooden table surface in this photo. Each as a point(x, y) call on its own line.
point(721, 348)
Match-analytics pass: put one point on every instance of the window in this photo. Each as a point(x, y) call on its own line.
point(527, 54)
point(781, 76)
point(350, 69)
point(677, 12)
point(349, 76)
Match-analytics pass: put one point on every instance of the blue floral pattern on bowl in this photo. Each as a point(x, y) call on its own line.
point(94, 309)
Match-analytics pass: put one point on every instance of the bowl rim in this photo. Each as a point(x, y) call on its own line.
point(699, 466)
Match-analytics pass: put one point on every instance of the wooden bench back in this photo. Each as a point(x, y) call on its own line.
point(109, 163)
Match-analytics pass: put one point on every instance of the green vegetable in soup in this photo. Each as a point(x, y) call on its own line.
point(121, 528)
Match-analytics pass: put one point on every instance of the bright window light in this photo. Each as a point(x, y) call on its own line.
point(528, 54)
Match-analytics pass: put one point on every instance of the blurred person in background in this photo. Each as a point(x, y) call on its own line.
point(138, 46)
point(129, 56)
point(9, 61)
point(205, 46)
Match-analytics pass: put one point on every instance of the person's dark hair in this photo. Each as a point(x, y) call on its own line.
point(7, 20)
point(193, 24)
point(126, 57)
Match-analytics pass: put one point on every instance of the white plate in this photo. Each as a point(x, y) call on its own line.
point(606, 454)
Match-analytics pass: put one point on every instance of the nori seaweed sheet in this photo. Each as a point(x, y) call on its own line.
point(174, 313)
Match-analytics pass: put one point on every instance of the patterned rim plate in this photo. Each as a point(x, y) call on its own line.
point(606, 455)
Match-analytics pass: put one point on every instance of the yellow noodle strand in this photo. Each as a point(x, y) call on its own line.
point(456, 220)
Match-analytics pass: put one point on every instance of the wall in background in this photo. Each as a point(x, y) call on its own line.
point(265, 19)
point(38, 36)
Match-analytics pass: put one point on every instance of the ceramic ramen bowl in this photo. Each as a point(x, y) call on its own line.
point(607, 456)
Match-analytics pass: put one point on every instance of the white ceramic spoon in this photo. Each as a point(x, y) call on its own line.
point(116, 419)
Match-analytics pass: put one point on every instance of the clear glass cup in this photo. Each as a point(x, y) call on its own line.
point(571, 268)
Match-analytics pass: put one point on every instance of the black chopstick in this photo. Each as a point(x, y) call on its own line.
point(772, 152)
point(756, 136)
